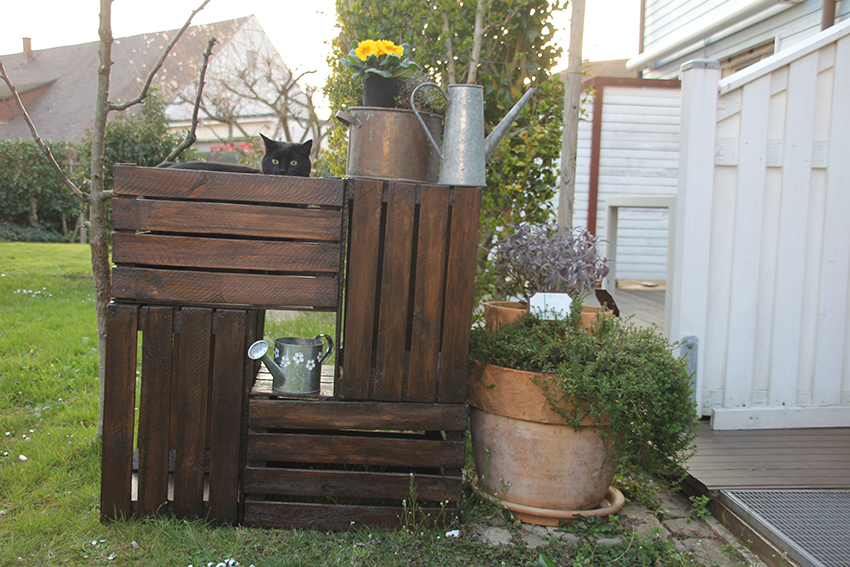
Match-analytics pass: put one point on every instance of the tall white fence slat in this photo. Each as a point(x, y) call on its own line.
point(774, 333)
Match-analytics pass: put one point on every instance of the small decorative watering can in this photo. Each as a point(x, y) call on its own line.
point(465, 150)
point(297, 364)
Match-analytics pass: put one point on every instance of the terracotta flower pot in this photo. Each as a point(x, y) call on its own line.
point(528, 458)
point(499, 313)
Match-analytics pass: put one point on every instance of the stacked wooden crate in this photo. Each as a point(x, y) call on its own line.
point(199, 256)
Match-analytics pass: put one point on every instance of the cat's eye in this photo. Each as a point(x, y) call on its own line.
point(274, 161)
point(294, 162)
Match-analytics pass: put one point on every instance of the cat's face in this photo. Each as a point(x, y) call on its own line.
point(286, 158)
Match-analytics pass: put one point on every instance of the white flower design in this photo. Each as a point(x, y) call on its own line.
point(311, 364)
point(298, 358)
point(285, 361)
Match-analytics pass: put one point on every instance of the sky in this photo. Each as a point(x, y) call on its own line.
point(300, 30)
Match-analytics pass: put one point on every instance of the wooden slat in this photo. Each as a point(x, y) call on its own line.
point(226, 414)
point(118, 412)
point(154, 410)
point(226, 219)
point(219, 288)
point(428, 294)
point(395, 292)
point(771, 458)
point(223, 253)
point(350, 484)
point(362, 274)
point(376, 416)
point(354, 450)
point(459, 293)
point(217, 186)
point(337, 518)
point(193, 371)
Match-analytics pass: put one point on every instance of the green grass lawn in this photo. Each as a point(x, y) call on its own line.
point(50, 456)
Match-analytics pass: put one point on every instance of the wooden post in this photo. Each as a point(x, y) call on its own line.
point(572, 102)
point(693, 205)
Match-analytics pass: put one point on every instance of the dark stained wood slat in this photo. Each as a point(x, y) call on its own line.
point(226, 219)
point(350, 484)
point(362, 268)
point(459, 293)
point(429, 289)
point(218, 186)
point(226, 414)
point(193, 371)
point(155, 410)
point(395, 292)
point(219, 288)
point(118, 412)
point(223, 253)
point(296, 414)
point(355, 450)
point(771, 458)
point(337, 518)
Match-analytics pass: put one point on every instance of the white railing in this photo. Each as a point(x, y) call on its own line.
point(762, 243)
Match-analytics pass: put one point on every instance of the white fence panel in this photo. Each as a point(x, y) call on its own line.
point(777, 312)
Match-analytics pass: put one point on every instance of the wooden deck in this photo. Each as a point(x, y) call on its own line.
point(812, 458)
point(646, 305)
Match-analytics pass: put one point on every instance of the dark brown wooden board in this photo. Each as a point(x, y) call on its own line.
point(193, 372)
point(351, 484)
point(428, 294)
point(226, 219)
point(361, 289)
point(354, 450)
point(226, 414)
point(338, 518)
point(460, 293)
point(226, 289)
point(224, 253)
point(374, 416)
point(395, 292)
point(154, 410)
point(218, 186)
point(118, 412)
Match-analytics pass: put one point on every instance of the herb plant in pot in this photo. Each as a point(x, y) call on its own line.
point(556, 409)
point(549, 267)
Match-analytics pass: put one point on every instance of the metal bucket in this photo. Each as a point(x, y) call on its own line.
point(389, 143)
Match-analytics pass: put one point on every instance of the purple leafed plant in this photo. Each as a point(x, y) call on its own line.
point(544, 257)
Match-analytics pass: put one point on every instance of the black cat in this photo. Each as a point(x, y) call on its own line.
point(281, 158)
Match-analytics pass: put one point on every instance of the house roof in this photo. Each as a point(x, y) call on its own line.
point(66, 108)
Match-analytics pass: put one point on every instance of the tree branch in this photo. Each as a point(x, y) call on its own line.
point(149, 81)
point(190, 135)
point(37, 138)
point(477, 37)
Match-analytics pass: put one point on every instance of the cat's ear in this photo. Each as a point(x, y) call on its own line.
point(267, 142)
point(307, 147)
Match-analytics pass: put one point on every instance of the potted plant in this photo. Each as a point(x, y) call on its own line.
point(557, 409)
point(549, 266)
point(381, 65)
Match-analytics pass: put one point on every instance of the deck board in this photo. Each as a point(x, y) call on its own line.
point(771, 458)
point(646, 305)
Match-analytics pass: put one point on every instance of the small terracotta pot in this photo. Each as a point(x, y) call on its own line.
point(525, 454)
point(497, 314)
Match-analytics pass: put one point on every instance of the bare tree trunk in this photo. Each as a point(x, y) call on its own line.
point(450, 54)
point(97, 202)
point(477, 37)
point(572, 104)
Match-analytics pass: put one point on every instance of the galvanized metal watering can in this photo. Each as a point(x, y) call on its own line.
point(297, 364)
point(465, 149)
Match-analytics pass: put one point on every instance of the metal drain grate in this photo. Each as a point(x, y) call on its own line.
point(812, 526)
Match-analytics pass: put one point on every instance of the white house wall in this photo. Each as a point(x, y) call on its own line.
point(638, 156)
point(787, 28)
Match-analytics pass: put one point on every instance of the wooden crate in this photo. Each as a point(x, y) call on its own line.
point(409, 291)
point(338, 465)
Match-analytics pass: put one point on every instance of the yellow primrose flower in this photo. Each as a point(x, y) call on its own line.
point(366, 48)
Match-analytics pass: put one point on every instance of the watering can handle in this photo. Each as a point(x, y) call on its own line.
point(330, 350)
point(422, 122)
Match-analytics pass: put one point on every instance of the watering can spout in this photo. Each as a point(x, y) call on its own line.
point(501, 129)
point(257, 351)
